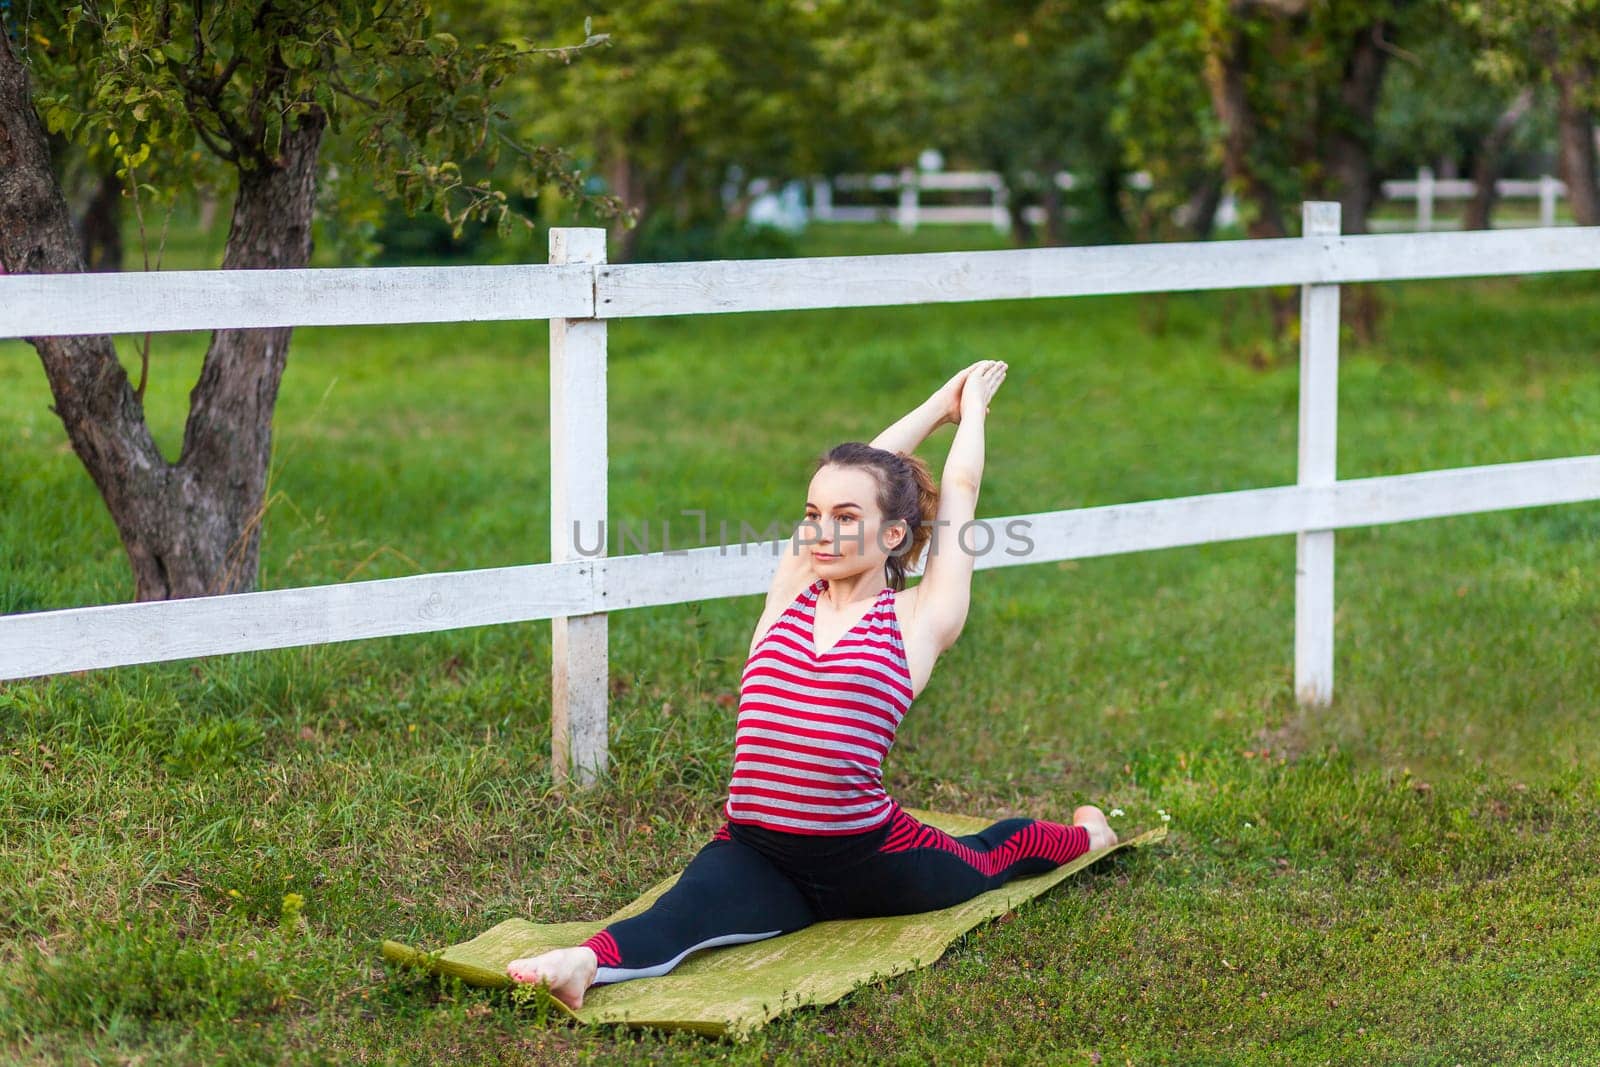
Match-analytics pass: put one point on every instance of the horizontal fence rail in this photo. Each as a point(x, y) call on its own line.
point(116, 635)
point(56, 305)
point(1427, 189)
point(578, 291)
point(33, 305)
point(627, 290)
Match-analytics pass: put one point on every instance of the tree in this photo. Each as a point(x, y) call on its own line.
point(1294, 87)
point(1438, 109)
point(692, 91)
point(1023, 87)
point(302, 108)
point(1554, 42)
point(1163, 118)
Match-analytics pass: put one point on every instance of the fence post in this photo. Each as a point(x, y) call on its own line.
point(578, 644)
point(910, 190)
point(1547, 200)
point(1319, 412)
point(999, 196)
point(822, 199)
point(1425, 198)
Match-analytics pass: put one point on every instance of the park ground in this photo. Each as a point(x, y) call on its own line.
point(199, 859)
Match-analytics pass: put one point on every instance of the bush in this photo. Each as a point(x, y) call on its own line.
point(663, 240)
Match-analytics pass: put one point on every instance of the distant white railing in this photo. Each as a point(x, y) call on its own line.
point(579, 292)
point(908, 211)
point(1427, 191)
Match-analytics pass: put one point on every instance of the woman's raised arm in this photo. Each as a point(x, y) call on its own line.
point(914, 427)
point(945, 591)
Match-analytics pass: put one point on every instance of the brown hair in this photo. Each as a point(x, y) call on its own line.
point(906, 491)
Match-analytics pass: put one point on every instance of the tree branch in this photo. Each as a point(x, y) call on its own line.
point(339, 86)
point(220, 82)
point(1394, 49)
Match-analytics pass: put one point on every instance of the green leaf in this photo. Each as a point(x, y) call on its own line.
point(273, 141)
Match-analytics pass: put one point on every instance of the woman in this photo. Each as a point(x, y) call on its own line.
point(836, 660)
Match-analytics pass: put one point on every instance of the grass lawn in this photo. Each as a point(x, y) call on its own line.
point(1407, 876)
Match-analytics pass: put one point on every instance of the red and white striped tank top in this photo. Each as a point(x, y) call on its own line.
point(813, 729)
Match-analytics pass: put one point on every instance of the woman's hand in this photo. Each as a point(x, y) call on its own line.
point(979, 384)
point(947, 401)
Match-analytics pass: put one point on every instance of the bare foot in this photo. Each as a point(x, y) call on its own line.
point(567, 971)
point(1100, 833)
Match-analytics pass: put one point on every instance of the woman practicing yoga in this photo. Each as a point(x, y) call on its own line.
point(836, 660)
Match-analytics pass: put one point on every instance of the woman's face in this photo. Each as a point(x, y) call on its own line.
point(844, 530)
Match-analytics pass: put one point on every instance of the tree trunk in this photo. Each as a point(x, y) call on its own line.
point(1575, 135)
point(1109, 187)
point(100, 231)
point(1053, 205)
point(1348, 160)
point(1225, 81)
point(190, 528)
point(1022, 231)
point(1486, 164)
point(1198, 214)
point(1020, 196)
point(627, 184)
point(212, 524)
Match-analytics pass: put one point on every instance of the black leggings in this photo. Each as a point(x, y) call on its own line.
point(749, 883)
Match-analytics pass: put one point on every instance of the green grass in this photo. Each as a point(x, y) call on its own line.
point(1407, 876)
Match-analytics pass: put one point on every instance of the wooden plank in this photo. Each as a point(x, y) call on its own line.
point(960, 179)
point(114, 635)
point(1118, 528)
point(1460, 491)
point(580, 676)
point(706, 287)
point(1318, 451)
point(41, 305)
point(44, 305)
point(742, 569)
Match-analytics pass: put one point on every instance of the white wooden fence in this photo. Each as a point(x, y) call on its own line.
point(908, 212)
point(1427, 191)
point(579, 293)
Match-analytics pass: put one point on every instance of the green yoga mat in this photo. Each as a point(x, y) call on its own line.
point(736, 989)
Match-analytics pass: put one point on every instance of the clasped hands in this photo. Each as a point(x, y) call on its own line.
point(968, 393)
